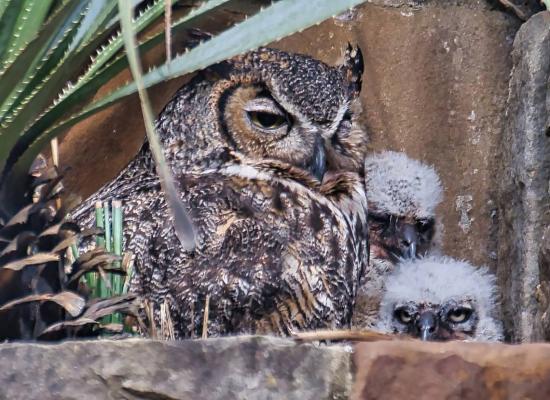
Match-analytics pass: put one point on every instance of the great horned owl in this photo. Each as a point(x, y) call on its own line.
point(402, 196)
point(440, 298)
point(268, 158)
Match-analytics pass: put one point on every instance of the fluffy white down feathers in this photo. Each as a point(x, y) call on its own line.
point(437, 279)
point(399, 185)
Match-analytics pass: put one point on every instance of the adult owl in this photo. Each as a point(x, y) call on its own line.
point(440, 298)
point(268, 157)
point(403, 194)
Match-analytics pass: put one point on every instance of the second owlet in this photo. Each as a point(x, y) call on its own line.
point(402, 196)
point(440, 298)
point(269, 160)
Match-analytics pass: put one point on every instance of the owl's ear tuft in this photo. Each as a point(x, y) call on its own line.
point(353, 68)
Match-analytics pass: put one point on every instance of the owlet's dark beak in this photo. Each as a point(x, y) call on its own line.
point(427, 325)
point(408, 241)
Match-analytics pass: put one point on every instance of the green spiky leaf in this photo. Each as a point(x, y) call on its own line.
point(182, 223)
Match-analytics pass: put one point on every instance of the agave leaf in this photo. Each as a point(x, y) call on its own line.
point(99, 260)
point(90, 254)
point(71, 302)
point(49, 88)
point(10, 12)
point(3, 6)
point(126, 303)
point(274, 22)
point(82, 321)
point(182, 223)
point(95, 77)
point(24, 96)
point(38, 258)
point(65, 243)
point(20, 217)
point(103, 260)
point(10, 75)
point(27, 25)
point(99, 13)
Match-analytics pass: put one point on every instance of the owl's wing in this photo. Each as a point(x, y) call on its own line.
point(268, 256)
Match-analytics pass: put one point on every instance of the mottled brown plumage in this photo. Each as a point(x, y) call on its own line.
point(269, 160)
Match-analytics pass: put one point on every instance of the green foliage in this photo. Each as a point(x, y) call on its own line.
point(46, 45)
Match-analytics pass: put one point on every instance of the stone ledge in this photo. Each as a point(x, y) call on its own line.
point(260, 367)
point(246, 367)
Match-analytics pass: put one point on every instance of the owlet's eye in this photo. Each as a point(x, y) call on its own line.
point(403, 315)
point(266, 120)
point(379, 219)
point(459, 315)
point(424, 225)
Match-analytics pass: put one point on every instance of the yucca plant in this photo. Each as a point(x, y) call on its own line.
point(54, 56)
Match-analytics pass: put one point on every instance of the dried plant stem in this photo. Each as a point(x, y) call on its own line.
point(352, 335)
point(205, 317)
point(166, 324)
point(168, 28)
point(128, 267)
point(515, 9)
point(54, 144)
point(150, 316)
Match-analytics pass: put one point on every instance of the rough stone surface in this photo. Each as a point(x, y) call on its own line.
point(542, 293)
point(231, 368)
point(525, 173)
point(264, 368)
point(466, 371)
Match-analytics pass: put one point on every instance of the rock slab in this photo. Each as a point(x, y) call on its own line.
point(524, 180)
point(247, 367)
point(465, 371)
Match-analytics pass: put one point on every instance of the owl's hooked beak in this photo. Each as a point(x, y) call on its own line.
point(318, 165)
point(427, 325)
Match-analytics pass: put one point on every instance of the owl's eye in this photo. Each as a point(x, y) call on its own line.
point(266, 120)
point(459, 315)
point(402, 315)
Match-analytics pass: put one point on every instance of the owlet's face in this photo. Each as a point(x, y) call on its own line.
point(450, 320)
point(293, 109)
point(400, 237)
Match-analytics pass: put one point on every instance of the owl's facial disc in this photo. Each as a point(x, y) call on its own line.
point(435, 322)
point(262, 129)
point(401, 237)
